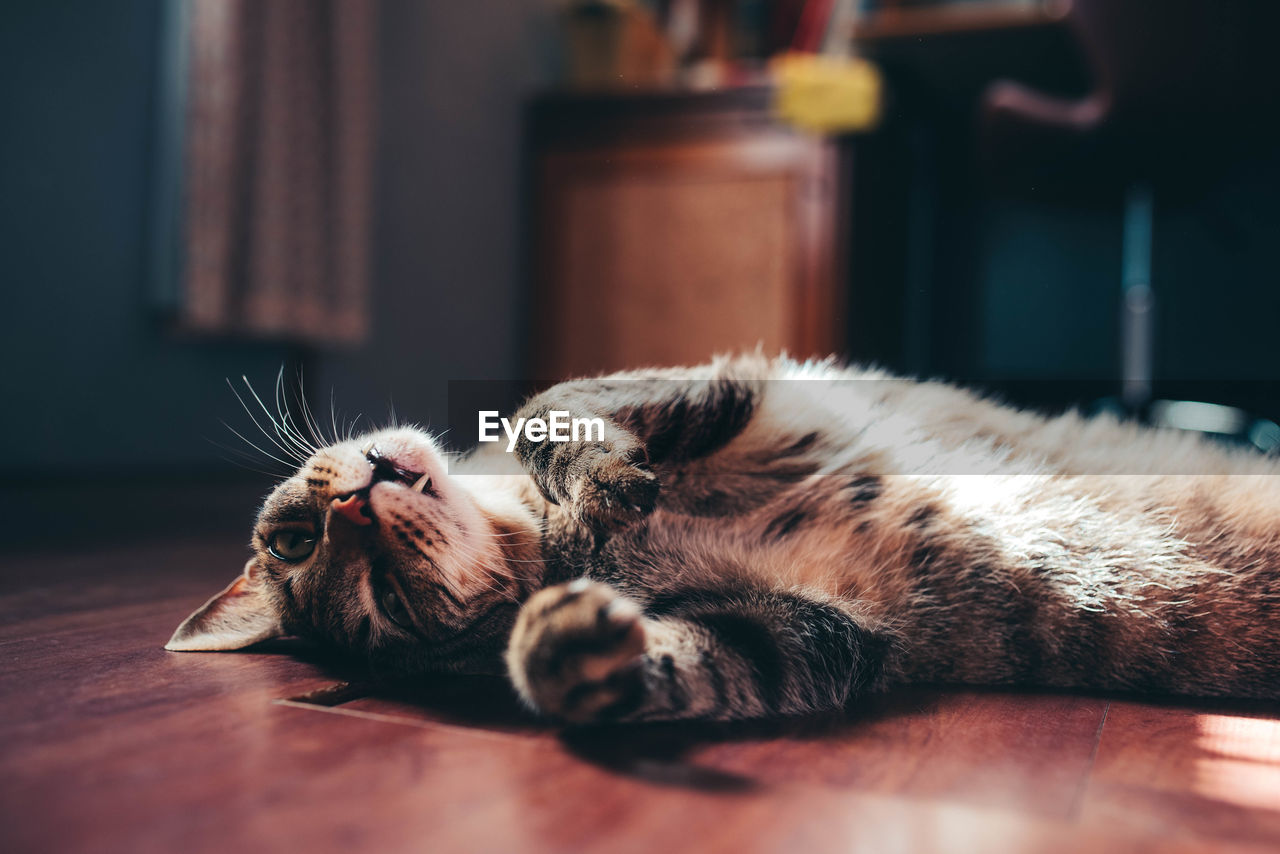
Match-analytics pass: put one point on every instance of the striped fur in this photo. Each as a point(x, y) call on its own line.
point(759, 537)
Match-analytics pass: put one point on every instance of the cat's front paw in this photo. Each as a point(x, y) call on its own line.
point(614, 490)
point(577, 652)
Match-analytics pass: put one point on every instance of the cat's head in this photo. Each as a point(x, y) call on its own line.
point(371, 546)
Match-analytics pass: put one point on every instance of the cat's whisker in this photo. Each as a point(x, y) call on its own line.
point(476, 555)
point(288, 426)
point(292, 425)
point(499, 536)
point(509, 559)
point(282, 448)
point(448, 582)
point(487, 579)
point(317, 434)
point(243, 456)
point(504, 539)
point(276, 439)
point(243, 465)
point(479, 574)
point(517, 560)
point(247, 455)
point(312, 439)
point(488, 562)
point(481, 569)
point(333, 414)
point(286, 418)
point(499, 542)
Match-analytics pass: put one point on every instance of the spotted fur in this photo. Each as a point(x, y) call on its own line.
point(759, 537)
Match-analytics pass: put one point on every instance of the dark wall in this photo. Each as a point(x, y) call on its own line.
point(448, 234)
point(91, 378)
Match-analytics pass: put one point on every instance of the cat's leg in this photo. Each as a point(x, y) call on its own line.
point(648, 421)
point(583, 652)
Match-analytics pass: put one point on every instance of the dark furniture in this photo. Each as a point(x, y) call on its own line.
point(999, 254)
point(1183, 89)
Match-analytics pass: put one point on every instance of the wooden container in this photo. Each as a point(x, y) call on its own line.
point(668, 227)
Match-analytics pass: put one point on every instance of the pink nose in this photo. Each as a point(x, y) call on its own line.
point(354, 508)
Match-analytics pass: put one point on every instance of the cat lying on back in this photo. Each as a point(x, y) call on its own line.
point(759, 537)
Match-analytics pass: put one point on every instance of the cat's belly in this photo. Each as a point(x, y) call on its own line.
point(816, 538)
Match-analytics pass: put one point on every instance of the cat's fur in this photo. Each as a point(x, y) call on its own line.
point(759, 537)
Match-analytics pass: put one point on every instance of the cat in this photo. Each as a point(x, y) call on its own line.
point(760, 537)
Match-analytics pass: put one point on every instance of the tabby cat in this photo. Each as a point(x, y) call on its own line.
point(760, 537)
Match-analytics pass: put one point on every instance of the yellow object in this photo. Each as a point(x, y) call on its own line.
point(827, 94)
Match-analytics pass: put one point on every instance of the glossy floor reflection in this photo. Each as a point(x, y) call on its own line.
point(111, 743)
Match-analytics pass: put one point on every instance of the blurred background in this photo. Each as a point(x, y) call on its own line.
point(1068, 203)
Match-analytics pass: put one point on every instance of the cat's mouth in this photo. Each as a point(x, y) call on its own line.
point(354, 506)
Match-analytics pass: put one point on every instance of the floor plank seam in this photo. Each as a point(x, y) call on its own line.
point(1077, 802)
point(393, 719)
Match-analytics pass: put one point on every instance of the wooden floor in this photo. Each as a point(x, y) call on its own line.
point(112, 744)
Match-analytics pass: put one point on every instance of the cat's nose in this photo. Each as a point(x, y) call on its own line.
point(354, 508)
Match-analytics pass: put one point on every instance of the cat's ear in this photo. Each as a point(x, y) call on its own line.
point(237, 617)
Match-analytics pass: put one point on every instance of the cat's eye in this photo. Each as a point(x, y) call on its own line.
point(291, 546)
point(395, 610)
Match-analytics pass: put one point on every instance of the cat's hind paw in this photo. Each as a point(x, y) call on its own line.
point(577, 652)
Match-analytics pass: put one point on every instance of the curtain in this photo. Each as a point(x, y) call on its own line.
point(279, 151)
